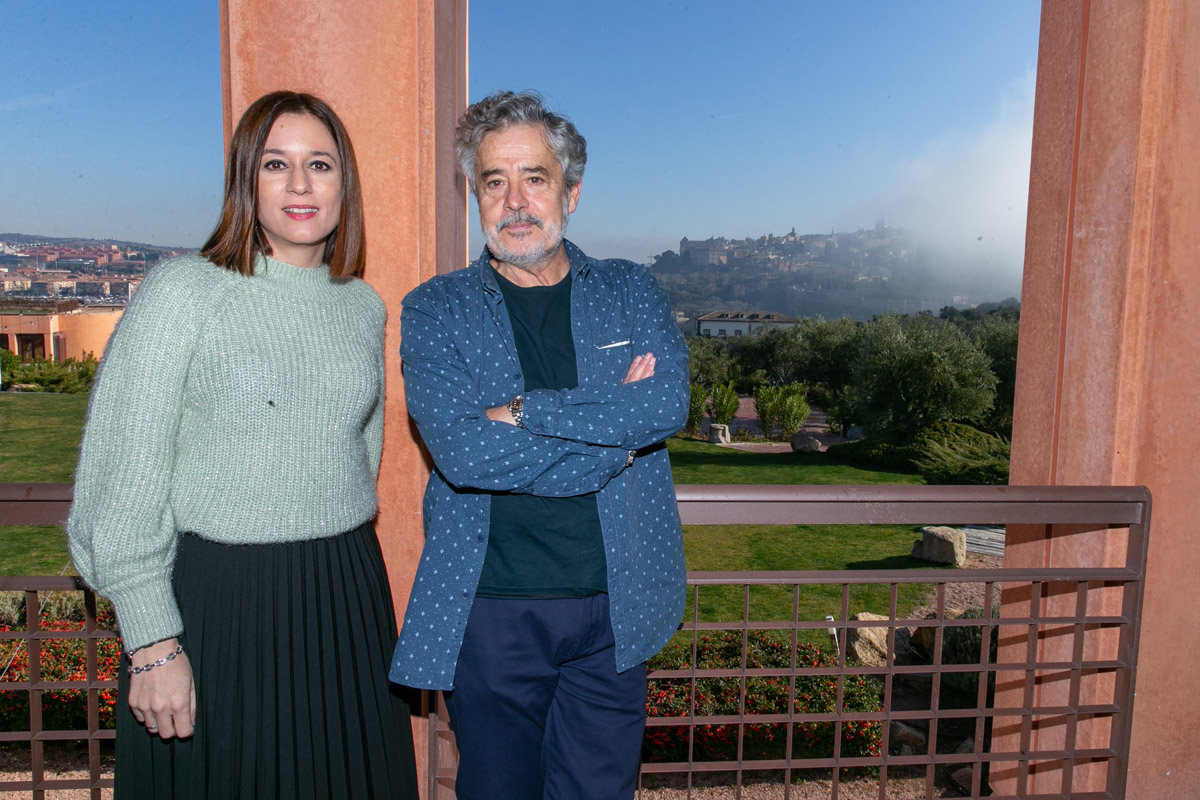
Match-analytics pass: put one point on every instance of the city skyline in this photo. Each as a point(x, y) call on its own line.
point(699, 122)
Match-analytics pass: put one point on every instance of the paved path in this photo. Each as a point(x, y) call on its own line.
point(745, 420)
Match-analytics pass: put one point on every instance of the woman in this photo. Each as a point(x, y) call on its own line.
point(226, 487)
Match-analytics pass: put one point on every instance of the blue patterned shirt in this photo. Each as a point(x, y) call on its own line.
point(459, 360)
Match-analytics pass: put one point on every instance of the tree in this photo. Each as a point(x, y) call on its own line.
point(777, 353)
point(912, 372)
point(997, 337)
point(708, 361)
point(831, 347)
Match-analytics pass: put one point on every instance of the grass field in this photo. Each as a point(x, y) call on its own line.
point(700, 462)
point(39, 442)
point(40, 437)
point(800, 547)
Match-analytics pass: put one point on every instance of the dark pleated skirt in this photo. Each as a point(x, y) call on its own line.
point(290, 646)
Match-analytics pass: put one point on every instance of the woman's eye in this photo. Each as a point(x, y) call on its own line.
point(321, 166)
point(274, 164)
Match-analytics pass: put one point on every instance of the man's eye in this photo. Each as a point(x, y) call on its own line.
point(535, 180)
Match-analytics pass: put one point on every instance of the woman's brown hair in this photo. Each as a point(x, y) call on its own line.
point(238, 238)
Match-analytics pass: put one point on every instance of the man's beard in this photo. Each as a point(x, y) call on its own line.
point(533, 260)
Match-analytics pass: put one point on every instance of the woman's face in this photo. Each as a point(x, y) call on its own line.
point(299, 189)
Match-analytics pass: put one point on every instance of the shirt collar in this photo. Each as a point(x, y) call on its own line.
point(580, 266)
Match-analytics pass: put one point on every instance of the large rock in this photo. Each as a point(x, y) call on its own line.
point(922, 638)
point(963, 777)
point(718, 434)
point(804, 443)
point(867, 646)
point(902, 737)
point(942, 545)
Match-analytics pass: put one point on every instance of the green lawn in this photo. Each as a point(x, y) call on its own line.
point(39, 442)
point(700, 462)
point(30, 550)
point(39, 436)
point(800, 547)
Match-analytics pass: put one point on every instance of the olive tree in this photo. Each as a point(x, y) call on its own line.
point(911, 372)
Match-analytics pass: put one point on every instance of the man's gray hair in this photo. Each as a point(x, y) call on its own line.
point(500, 110)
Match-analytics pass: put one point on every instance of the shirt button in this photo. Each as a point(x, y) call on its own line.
point(479, 538)
point(465, 595)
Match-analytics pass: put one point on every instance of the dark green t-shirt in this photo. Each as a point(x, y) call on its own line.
point(543, 546)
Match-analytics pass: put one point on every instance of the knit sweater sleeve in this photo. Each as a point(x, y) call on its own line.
point(121, 528)
point(373, 428)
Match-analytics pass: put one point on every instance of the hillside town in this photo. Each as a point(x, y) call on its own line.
point(856, 274)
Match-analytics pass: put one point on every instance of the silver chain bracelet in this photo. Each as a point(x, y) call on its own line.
point(169, 657)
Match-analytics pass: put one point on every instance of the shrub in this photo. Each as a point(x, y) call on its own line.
point(945, 453)
point(48, 375)
point(959, 454)
point(673, 697)
point(891, 451)
point(793, 410)
point(766, 407)
point(696, 402)
point(61, 660)
point(723, 404)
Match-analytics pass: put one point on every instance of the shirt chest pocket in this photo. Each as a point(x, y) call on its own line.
point(612, 357)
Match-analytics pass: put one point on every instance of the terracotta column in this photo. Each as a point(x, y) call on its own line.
point(1109, 356)
point(396, 73)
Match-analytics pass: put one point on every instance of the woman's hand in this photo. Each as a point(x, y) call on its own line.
point(164, 698)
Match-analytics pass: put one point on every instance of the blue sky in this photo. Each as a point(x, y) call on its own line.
point(700, 121)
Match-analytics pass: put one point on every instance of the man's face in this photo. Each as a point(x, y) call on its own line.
point(523, 205)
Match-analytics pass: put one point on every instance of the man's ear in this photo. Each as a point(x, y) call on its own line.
point(573, 197)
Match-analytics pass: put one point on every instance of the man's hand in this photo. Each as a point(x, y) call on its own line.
point(164, 698)
point(501, 414)
point(641, 367)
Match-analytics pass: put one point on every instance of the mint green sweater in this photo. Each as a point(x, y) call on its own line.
point(248, 410)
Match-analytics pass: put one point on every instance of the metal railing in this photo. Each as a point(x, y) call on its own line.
point(47, 504)
point(1051, 704)
point(1024, 754)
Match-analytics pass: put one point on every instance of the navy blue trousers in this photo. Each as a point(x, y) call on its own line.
point(538, 708)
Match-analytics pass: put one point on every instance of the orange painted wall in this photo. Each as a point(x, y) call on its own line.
point(87, 331)
point(1108, 356)
point(83, 331)
point(395, 72)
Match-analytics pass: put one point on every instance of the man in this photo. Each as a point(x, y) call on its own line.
point(543, 383)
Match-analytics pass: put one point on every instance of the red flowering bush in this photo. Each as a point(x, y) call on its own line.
point(61, 660)
point(672, 697)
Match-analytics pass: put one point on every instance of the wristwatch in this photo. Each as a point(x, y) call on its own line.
point(516, 407)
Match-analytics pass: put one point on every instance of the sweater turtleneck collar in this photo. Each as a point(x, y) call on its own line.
point(278, 271)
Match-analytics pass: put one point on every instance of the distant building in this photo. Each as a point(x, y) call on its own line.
point(727, 324)
point(56, 330)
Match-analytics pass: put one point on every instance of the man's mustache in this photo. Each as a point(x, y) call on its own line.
point(518, 217)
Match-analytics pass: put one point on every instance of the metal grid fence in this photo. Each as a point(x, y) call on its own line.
point(1050, 685)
